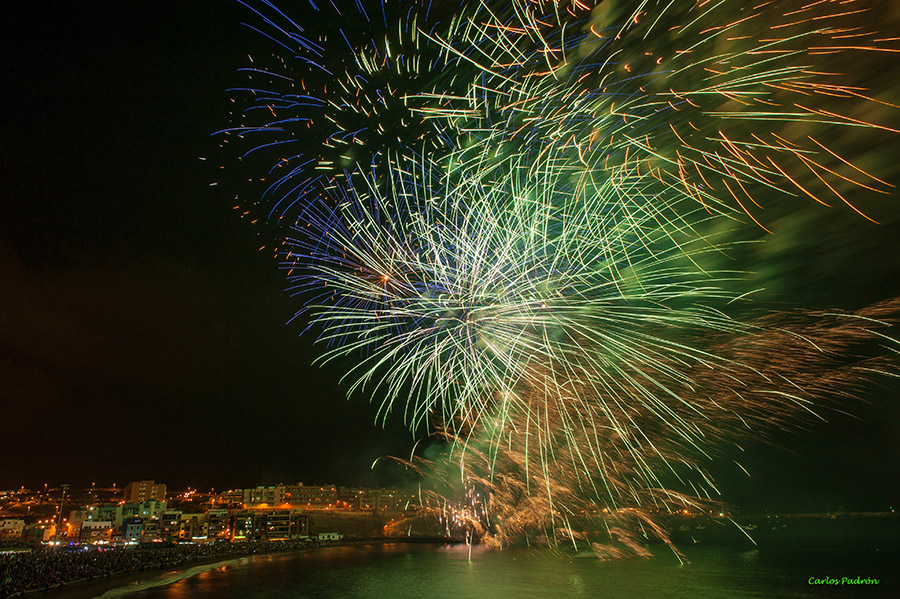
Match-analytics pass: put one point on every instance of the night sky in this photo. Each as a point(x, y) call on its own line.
point(143, 333)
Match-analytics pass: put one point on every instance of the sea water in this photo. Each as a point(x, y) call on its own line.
point(414, 571)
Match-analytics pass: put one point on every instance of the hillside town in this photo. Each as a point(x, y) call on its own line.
point(144, 512)
point(54, 537)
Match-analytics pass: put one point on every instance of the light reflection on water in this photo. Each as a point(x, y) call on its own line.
point(399, 570)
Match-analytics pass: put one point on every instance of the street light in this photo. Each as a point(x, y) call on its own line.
point(59, 516)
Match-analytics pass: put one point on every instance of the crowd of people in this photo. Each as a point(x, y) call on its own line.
point(54, 567)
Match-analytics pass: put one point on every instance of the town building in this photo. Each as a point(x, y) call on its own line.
point(146, 509)
point(143, 490)
point(264, 496)
point(192, 526)
point(170, 524)
point(233, 499)
point(41, 531)
point(152, 531)
point(310, 497)
point(133, 529)
point(369, 499)
point(270, 525)
point(95, 530)
point(218, 524)
point(249, 525)
point(113, 513)
point(11, 528)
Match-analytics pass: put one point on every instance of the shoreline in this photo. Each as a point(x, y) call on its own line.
point(89, 589)
point(108, 587)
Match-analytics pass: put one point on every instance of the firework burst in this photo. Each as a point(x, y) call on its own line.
point(508, 221)
point(449, 296)
point(578, 469)
point(721, 103)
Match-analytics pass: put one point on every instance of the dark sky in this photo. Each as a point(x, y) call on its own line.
point(143, 334)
